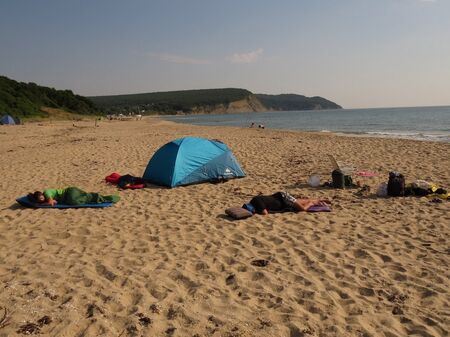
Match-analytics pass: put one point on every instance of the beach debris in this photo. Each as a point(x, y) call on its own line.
point(155, 309)
point(5, 319)
point(264, 323)
point(397, 298)
point(214, 320)
point(34, 328)
point(45, 320)
point(259, 263)
point(144, 320)
point(103, 271)
point(364, 191)
point(397, 310)
point(65, 301)
point(51, 296)
point(366, 174)
point(90, 310)
point(366, 291)
point(234, 332)
point(172, 313)
point(360, 253)
point(231, 279)
point(29, 329)
point(170, 331)
point(132, 330)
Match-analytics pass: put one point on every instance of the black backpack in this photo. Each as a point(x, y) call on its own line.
point(129, 179)
point(396, 185)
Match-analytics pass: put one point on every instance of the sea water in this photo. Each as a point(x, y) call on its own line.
point(423, 123)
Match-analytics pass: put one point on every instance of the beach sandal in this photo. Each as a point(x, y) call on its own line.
point(364, 191)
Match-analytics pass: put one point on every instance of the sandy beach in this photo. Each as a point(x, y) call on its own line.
point(169, 262)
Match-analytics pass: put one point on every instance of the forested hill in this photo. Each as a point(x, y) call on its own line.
point(292, 102)
point(29, 99)
point(21, 99)
point(208, 101)
point(172, 102)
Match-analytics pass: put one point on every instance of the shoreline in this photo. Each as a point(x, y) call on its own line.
point(336, 133)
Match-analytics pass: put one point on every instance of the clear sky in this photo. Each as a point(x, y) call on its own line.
point(358, 53)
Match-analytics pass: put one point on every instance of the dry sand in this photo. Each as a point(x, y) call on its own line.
point(372, 267)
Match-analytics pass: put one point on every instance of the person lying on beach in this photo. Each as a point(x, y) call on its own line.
point(304, 204)
point(277, 202)
point(280, 202)
point(69, 196)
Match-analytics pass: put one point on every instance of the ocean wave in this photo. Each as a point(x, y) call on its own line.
point(442, 137)
point(430, 124)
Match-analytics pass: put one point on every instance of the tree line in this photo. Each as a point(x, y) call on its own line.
point(169, 102)
point(26, 99)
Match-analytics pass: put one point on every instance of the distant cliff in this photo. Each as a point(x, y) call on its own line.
point(292, 102)
point(247, 104)
point(182, 102)
point(228, 100)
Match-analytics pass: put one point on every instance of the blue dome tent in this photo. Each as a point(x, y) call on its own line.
point(8, 120)
point(192, 160)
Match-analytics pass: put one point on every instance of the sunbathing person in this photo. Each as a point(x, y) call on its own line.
point(304, 204)
point(279, 202)
point(69, 196)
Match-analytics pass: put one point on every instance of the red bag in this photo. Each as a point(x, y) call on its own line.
point(113, 178)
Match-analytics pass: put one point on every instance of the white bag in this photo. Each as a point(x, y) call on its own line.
point(314, 181)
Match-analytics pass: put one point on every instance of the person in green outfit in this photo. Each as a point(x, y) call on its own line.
point(69, 196)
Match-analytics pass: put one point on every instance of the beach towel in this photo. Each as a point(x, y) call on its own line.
point(319, 208)
point(24, 201)
point(247, 210)
point(366, 174)
point(312, 205)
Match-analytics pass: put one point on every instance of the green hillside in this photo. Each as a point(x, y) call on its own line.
point(31, 100)
point(189, 101)
point(292, 102)
point(170, 102)
point(27, 99)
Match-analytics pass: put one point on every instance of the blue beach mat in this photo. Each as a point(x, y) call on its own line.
point(26, 203)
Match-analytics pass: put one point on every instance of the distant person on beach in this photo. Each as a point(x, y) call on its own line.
point(261, 126)
point(69, 196)
point(252, 125)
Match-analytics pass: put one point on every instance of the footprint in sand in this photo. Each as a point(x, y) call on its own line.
point(367, 292)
